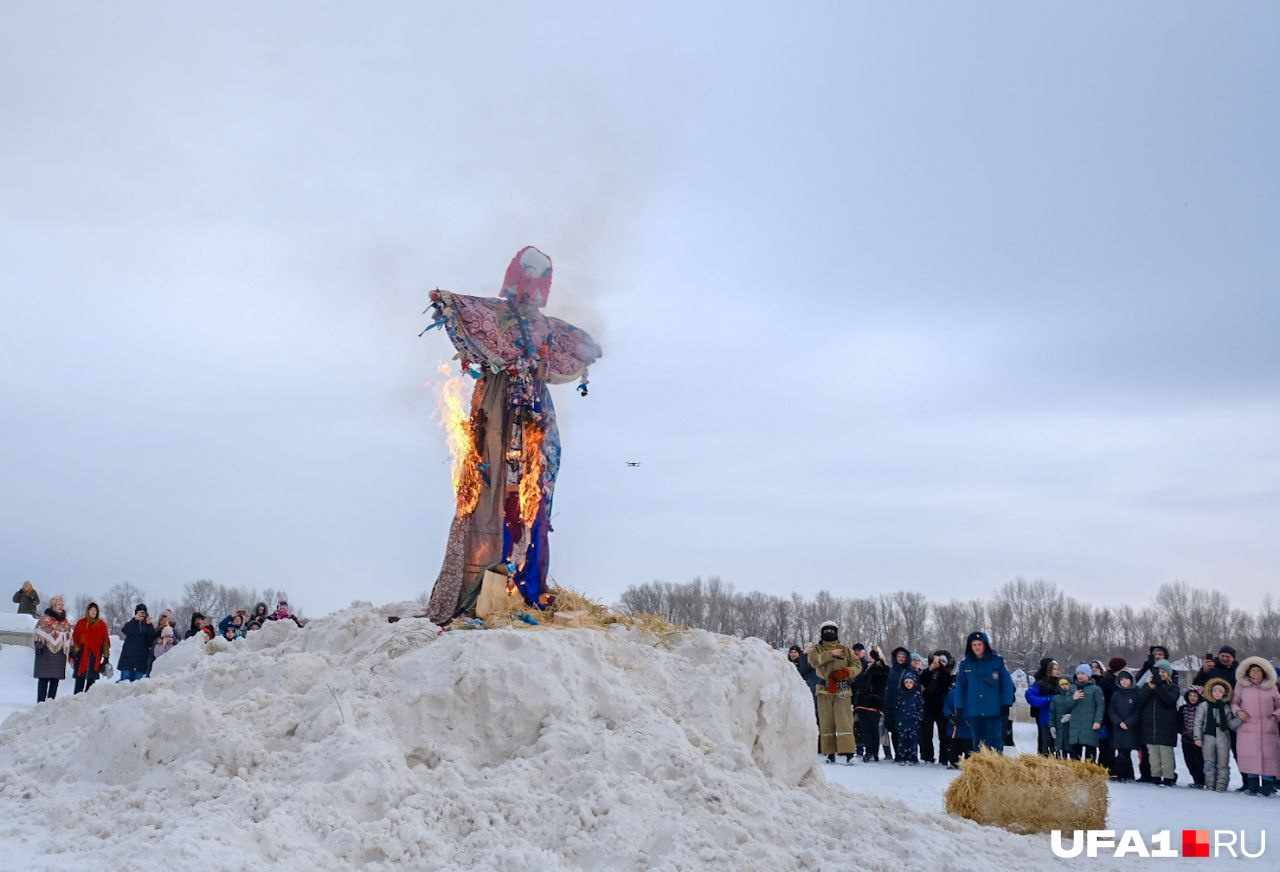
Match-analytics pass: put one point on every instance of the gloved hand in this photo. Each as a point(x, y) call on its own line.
point(1066, 718)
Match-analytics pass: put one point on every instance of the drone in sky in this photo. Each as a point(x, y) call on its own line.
point(633, 463)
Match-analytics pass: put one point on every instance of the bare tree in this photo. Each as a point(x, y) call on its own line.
point(118, 604)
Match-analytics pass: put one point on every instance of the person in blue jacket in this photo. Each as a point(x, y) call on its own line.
point(1039, 695)
point(984, 692)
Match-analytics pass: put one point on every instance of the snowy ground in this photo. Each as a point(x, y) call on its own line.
point(1132, 806)
point(359, 744)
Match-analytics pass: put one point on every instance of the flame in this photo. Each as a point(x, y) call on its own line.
point(531, 481)
point(455, 418)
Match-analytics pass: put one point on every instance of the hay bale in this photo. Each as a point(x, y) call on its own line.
point(1029, 793)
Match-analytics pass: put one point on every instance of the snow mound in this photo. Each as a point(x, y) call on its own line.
point(11, 622)
point(354, 743)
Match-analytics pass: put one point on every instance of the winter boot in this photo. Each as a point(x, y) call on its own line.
point(831, 758)
point(1251, 785)
point(848, 758)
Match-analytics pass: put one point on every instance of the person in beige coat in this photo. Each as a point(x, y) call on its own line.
point(836, 667)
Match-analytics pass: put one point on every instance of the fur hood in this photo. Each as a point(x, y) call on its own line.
point(1213, 682)
point(1268, 672)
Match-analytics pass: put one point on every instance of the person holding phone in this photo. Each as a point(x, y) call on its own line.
point(139, 637)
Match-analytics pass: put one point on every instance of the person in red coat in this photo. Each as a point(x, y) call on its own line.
point(90, 647)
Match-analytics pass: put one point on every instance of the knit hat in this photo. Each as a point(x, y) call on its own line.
point(1227, 649)
point(1124, 673)
point(1196, 689)
point(140, 607)
point(1164, 665)
point(1085, 669)
point(826, 624)
point(1064, 682)
point(1115, 664)
point(914, 657)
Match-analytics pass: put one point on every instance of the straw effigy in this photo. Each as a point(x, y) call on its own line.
point(1029, 793)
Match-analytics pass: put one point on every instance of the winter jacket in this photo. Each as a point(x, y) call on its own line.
point(984, 684)
point(957, 728)
point(135, 653)
point(1226, 673)
point(1041, 678)
point(92, 644)
point(162, 646)
point(1039, 695)
point(829, 667)
point(1106, 684)
point(868, 687)
point(1085, 712)
point(282, 613)
point(1126, 708)
point(1059, 708)
point(1220, 713)
point(894, 684)
point(52, 638)
point(1188, 711)
point(1161, 722)
point(807, 674)
point(937, 684)
point(27, 602)
point(1258, 737)
point(909, 705)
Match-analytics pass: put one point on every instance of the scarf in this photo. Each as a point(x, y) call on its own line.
point(53, 632)
point(1216, 718)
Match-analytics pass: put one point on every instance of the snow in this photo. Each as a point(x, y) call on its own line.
point(12, 622)
point(354, 744)
point(1142, 807)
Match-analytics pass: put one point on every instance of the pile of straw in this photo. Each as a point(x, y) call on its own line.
point(1029, 793)
point(575, 609)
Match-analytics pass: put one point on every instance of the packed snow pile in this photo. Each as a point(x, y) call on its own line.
point(15, 623)
point(354, 743)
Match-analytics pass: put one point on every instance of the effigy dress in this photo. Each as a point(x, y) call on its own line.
point(507, 480)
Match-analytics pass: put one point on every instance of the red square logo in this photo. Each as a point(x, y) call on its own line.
point(1195, 843)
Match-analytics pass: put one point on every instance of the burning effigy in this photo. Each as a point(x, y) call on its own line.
point(505, 442)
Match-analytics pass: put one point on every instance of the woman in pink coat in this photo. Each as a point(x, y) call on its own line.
point(1257, 705)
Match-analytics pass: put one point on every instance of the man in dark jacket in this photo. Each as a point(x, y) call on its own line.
point(937, 680)
point(984, 692)
point(139, 636)
point(1224, 667)
point(899, 664)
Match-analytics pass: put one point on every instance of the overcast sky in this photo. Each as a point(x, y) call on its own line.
point(890, 297)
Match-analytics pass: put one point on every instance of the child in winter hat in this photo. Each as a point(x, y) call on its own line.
point(1192, 754)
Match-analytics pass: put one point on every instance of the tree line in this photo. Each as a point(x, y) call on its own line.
point(1027, 620)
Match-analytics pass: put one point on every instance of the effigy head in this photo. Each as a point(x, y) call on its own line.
point(528, 279)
